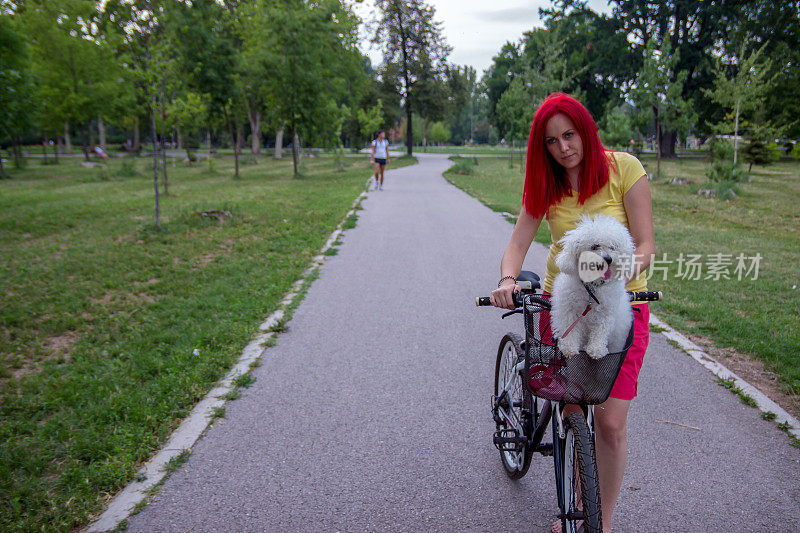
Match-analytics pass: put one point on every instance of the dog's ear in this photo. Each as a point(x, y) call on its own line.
point(566, 260)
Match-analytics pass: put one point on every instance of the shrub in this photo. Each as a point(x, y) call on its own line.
point(795, 153)
point(721, 170)
point(721, 150)
point(722, 167)
point(758, 152)
point(127, 167)
point(464, 166)
point(726, 190)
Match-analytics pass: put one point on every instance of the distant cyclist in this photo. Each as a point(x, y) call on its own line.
point(380, 157)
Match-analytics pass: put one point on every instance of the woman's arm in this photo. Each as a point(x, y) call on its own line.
point(639, 209)
point(524, 231)
point(372, 155)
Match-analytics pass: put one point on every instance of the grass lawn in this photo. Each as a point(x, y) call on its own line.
point(111, 330)
point(754, 317)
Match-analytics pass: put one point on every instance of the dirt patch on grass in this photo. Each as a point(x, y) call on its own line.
point(225, 249)
point(53, 347)
point(752, 371)
point(126, 298)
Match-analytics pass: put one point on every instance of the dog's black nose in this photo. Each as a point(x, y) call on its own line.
point(607, 258)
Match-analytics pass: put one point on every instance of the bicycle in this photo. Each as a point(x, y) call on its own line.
point(533, 384)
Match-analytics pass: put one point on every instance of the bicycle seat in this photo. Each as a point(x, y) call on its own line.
point(527, 277)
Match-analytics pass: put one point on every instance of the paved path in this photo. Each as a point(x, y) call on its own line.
point(372, 412)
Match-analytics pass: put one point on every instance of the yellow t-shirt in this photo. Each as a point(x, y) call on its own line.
point(562, 217)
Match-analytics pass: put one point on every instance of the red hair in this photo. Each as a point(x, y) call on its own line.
point(545, 182)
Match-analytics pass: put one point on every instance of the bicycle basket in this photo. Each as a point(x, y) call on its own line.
point(577, 379)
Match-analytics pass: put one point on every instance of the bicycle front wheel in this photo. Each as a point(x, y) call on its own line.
point(580, 498)
point(512, 409)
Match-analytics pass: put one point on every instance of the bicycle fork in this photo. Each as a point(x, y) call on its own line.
point(511, 438)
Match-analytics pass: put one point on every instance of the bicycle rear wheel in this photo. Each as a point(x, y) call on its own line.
point(579, 458)
point(512, 407)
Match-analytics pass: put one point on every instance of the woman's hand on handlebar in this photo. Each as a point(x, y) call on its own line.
point(503, 296)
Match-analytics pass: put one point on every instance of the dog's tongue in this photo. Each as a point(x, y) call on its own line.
point(607, 274)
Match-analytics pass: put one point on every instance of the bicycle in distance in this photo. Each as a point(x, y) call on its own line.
point(533, 385)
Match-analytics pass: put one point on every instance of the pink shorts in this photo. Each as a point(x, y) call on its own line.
point(627, 383)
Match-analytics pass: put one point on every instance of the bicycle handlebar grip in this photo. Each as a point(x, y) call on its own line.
point(484, 301)
point(646, 296)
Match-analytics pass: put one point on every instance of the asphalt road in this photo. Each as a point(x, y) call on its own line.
point(372, 412)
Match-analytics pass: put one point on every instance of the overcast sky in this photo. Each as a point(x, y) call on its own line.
point(477, 29)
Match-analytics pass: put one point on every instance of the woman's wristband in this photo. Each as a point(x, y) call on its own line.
point(512, 278)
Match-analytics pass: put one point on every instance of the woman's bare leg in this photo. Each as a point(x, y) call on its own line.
point(611, 450)
point(377, 174)
point(611, 447)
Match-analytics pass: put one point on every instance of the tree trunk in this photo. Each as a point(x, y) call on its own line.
point(668, 141)
point(17, 154)
point(60, 145)
point(155, 158)
point(296, 143)
point(101, 129)
point(208, 146)
point(736, 133)
point(137, 138)
point(44, 150)
point(404, 48)
point(2, 168)
point(178, 140)
point(424, 134)
point(279, 144)
point(255, 131)
point(239, 136)
point(55, 153)
point(658, 151)
point(67, 140)
point(409, 134)
point(294, 153)
point(91, 135)
point(84, 147)
point(163, 143)
point(234, 144)
point(164, 164)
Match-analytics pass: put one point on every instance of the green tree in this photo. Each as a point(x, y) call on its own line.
point(316, 50)
point(596, 50)
point(16, 84)
point(541, 76)
point(202, 40)
point(81, 79)
point(369, 120)
point(414, 55)
point(658, 96)
point(693, 31)
point(617, 128)
point(775, 28)
point(188, 113)
point(506, 65)
point(461, 84)
point(742, 91)
point(439, 133)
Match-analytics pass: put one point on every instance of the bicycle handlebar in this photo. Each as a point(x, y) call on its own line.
point(639, 296)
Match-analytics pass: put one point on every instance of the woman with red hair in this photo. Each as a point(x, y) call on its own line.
point(569, 174)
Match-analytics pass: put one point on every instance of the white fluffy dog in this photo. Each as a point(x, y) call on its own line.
point(596, 258)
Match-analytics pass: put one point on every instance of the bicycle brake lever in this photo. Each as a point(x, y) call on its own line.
point(514, 312)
